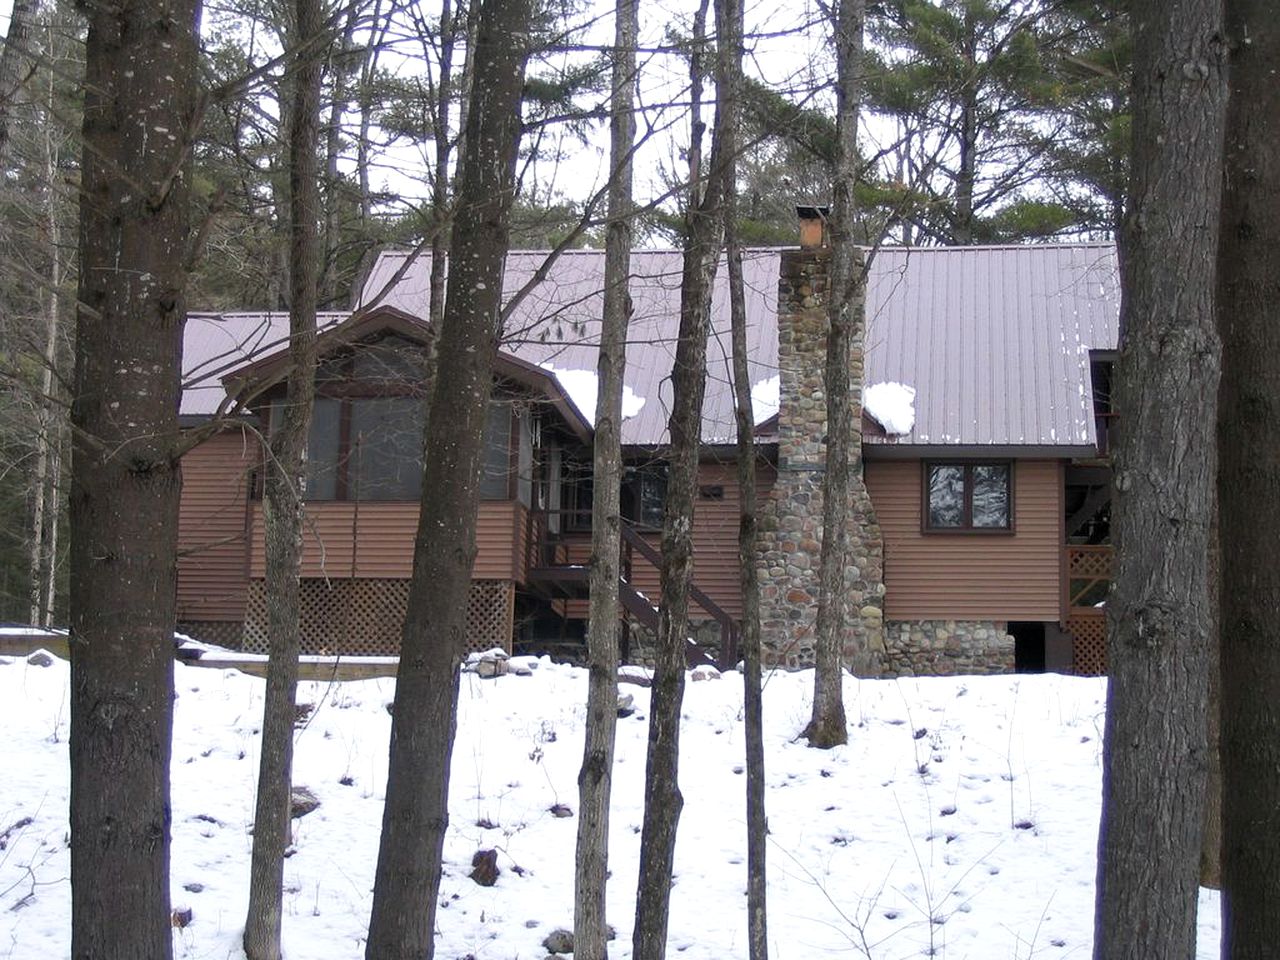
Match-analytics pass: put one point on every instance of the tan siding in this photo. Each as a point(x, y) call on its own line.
point(376, 540)
point(212, 575)
point(970, 577)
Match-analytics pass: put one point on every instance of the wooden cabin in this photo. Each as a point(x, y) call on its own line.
point(983, 532)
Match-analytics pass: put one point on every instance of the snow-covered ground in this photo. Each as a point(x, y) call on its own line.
point(960, 819)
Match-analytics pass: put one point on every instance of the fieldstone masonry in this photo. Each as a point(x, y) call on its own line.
point(940, 648)
point(790, 542)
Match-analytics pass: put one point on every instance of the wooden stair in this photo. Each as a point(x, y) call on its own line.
point(571, 582)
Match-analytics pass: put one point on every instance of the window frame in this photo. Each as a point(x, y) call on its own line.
point(635, 478)
point(967, 528)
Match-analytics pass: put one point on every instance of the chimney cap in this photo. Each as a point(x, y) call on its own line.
point(810, 212)
point(813, 227)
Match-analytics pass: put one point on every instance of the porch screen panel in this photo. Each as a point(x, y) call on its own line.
point(322, 450)
point(386, 444)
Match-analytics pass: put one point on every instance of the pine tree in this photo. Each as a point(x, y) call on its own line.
point(140, 98)
point(1159, 621)
point(1248, 480)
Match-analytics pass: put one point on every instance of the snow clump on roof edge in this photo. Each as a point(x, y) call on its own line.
point(892, 405)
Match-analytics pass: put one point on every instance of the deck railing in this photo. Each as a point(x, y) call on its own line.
point(547, 548)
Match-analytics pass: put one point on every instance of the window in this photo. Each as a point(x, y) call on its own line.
point(323, 445)
point(386, 448)
point(495, 476)
point(644, 494)
point(365, 441)
point(370, 448)
point(973, 497)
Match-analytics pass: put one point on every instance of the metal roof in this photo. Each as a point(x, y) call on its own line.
point(215, 344)
point(558, 324)
point(995, 340)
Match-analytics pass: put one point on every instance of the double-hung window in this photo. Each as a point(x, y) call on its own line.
point(968, 497)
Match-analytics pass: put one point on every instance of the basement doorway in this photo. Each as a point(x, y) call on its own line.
point(1028, 646)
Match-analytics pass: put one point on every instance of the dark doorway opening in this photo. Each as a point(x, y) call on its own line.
point(1028, 646)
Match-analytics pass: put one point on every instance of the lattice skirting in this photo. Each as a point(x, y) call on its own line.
point(223, 633)
point(1089, 643)
point(363, 617)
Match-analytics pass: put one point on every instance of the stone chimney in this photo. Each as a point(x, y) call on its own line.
point(790, 543)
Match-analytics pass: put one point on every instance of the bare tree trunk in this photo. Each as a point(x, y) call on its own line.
point(467, 80)
point(53, 498)
point(140, 78)
point(1159, 617)
point(12, 58)
point(1249, 448)
point(662, 799)
point(827, 726)
point(729, 17)
point(966, 176)
point(332, 153)
point(440, 182)
point(595, 780)
point(282, 507)
point(44, 509)
point(1211, 843)
point(416, 814)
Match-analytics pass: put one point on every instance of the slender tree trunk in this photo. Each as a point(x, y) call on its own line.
point(1211, 843)
point(332, 152)
point(662, 798)
point(966, 177)
point(415, 816)
point(827, 726)
point(53, 499)
point(13, 59)
point(367, 102)
point(467, 79)
point(729, 18)
point(1248, 481)
point(44, 510)
point(140, 75)
point(282, 507)
point(440, 182)
point(1159, 617)
point(595, 780)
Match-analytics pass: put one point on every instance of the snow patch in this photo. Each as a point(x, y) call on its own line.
point(765, 399)
point(892, 405)
point(582, 387)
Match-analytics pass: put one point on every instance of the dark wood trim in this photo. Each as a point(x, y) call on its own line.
point(967, 529)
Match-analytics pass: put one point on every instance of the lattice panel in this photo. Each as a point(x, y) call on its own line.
point(223, 633)
point(363, 617)
point(1089, 643)
point(1089, 562)
point(490, 615)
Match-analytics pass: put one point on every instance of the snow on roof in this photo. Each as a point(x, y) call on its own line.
point(892, 405)
point(765, 399)
point(582, 386)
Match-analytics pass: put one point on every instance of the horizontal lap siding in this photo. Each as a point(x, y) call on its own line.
point(375, 540)
point(974, 576)
point(212, 573)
